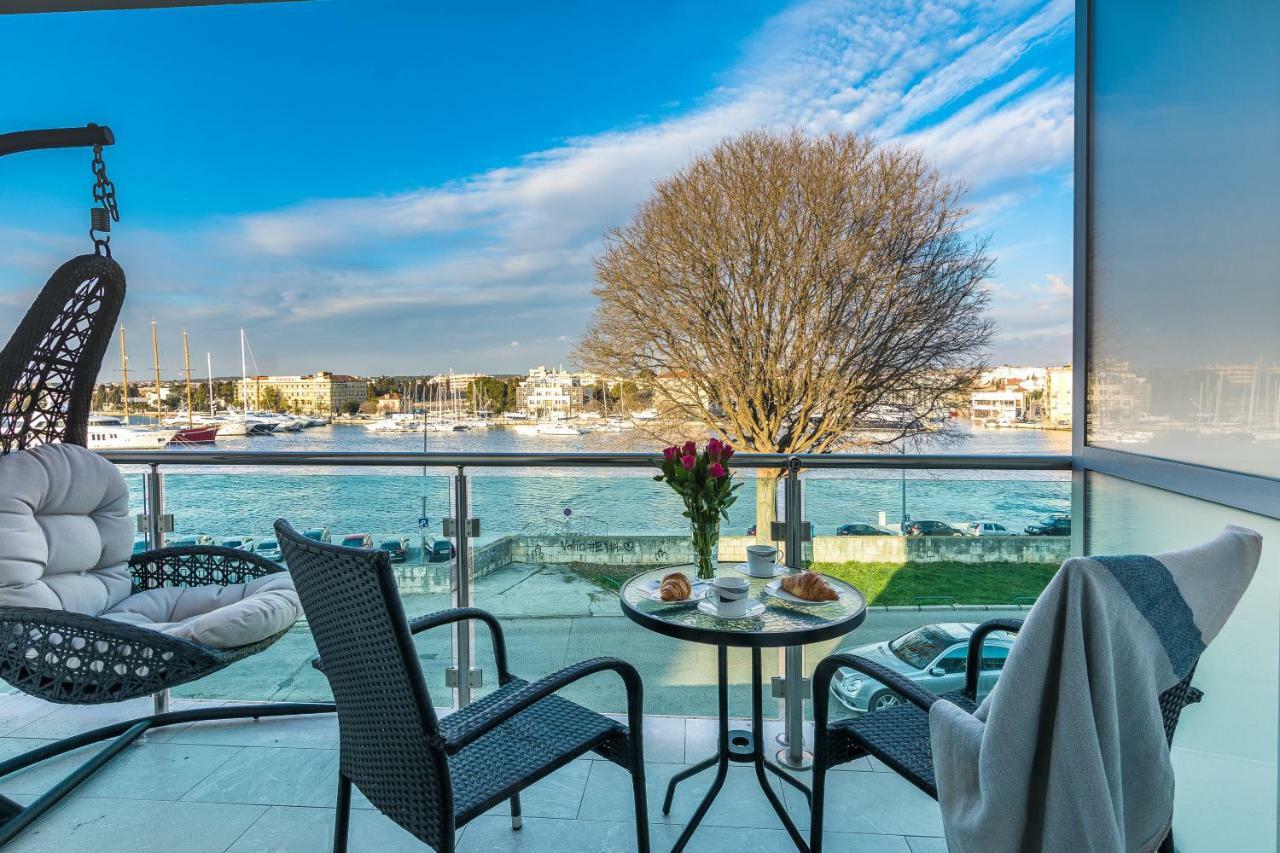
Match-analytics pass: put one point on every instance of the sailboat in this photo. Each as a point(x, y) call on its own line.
point(110, 433)
point(205, 433)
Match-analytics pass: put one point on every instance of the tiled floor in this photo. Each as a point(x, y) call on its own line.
point(258, 787)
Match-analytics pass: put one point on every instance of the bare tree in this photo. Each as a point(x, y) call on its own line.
point(787, 289)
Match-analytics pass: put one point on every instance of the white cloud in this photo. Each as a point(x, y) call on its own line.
point(512, 247)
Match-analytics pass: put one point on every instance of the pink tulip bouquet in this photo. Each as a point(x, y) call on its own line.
point(703, 480)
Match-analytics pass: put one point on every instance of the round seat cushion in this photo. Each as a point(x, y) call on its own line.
point(65, 530)
point(222, 617)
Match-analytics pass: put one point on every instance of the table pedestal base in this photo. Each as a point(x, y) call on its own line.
point(738, 745)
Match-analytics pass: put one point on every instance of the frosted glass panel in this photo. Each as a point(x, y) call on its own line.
point(1225, 750)
point(1184, 295)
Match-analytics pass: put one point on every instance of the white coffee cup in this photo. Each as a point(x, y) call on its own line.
point(731, 596)
point(760, 560)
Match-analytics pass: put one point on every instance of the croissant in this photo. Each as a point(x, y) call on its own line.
point(809, 586)
point(675, 587)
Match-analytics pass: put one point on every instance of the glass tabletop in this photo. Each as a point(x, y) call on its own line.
point(781, 623)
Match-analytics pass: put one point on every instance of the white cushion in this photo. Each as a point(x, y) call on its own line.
point(223, 617)
point(65, 531)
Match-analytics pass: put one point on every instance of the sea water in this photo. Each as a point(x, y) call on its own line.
point(225, 500)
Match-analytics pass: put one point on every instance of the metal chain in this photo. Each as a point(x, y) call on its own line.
point(101, 216)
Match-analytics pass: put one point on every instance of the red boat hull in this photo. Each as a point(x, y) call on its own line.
point(197, 435)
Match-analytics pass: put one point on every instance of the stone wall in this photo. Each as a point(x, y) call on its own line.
point(667, 550)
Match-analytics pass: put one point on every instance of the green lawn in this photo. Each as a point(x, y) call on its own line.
point(902, 583)
point(944, 583)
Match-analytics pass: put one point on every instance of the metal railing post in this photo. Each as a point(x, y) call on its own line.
point(795, 685)
point(462, 631)
point(153, 497)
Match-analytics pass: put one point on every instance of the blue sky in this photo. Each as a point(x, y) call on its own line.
point(399, 187)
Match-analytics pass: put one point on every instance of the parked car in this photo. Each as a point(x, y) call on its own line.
point(244, 543)
point(931, 528)
point(269, 549)
point(987, 528)
point(357, 540)
point(933, 656)
point(441, 551)
point(1054, 525)
point(189, 540)
point(857, 529)
point(319, 534)
point(751, 531)
point(397, 548)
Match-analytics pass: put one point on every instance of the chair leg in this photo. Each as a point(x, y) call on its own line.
point(642, 807)
point(342, 819)
point(816, 803)
point(516, 820)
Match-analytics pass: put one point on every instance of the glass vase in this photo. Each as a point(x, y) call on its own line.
point(705, 539)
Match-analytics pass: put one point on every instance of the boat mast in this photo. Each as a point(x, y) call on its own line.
point(124, 373)
point(186, 362)
point(244, 379)
point(208, 361)
point(155, 360)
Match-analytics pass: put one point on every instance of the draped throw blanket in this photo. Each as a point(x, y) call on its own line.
point(1069, 752)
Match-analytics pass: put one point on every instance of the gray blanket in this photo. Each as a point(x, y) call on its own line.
point(1068, 753)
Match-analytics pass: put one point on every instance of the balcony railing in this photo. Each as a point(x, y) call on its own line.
point(580, 522)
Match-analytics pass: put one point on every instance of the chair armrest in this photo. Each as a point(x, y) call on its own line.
point(498, 712)
point(973, 663)
point(197, 565)
point(826, 670)
point(459, 614)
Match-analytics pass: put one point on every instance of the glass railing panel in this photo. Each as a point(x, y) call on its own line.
point(978, 545)
point(557, 544)
point(376, 508)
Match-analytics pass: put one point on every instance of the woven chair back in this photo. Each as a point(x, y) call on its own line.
point(388, 731)
point(49, 366)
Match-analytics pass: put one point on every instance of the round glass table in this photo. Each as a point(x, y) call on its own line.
point(780, 623)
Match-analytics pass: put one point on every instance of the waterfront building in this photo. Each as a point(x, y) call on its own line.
point(456, 383)
point(1005, 376)
point(320, 393)
point(1057, 394)
point(548, 393)
point(997, 405)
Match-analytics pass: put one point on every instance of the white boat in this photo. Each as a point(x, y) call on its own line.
point(121, 437)
point(525, 429)
point(645, 415)
point(395, 423)
point(560, 428)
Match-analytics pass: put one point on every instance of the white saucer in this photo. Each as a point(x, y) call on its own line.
point(745, 568)
point(652, 591)
point(775, 588)
point(708, 607)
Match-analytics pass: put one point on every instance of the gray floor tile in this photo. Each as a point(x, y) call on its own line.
point(306, 731)
point(138, 826)
point(873, 803)
point(741, 802)
point(67, 720)
point(18, 710)
point(287, 829)
point(273, 777)
point(663, 738)
point(547, 835)
point(154, 771)
point(920, 844)
point(558, 795)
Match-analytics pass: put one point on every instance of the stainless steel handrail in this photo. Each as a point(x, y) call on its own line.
point(431, 459)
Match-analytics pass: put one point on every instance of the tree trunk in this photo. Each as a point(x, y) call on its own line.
point(766, 503)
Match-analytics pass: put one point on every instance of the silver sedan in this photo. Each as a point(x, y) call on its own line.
point(933, 656)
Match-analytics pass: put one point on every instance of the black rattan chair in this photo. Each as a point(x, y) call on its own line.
point(899, 736)
point(47, 372)
point(432, 775)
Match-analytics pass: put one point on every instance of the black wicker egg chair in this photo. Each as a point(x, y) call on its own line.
point(55, 653)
